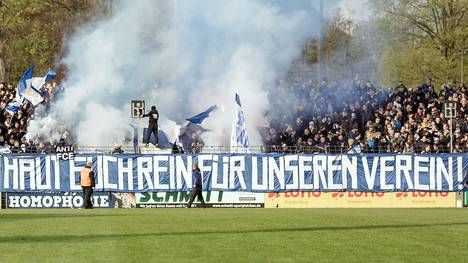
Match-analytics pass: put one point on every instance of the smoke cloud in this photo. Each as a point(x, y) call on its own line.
point(181, 56)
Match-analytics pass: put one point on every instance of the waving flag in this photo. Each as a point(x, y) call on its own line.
point(186, 134)
point(199, 118)
point(239, 138)
point(24, 82)
point(33, 95)
point(32, 92)
point(22, 86)
point(38, 82)
point(13, 107)
point(29, 88)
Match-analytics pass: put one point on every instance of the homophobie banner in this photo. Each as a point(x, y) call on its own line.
point(57, 200)
point(238, 172)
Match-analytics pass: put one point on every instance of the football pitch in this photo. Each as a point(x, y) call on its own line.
point(234, 235)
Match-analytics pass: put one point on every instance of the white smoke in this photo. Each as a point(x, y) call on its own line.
point(182, 56)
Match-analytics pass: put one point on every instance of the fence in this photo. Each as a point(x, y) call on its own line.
point(325, 149)
point(3, 200)
point(252, 149)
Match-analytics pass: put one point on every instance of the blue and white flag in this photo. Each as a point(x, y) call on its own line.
point(239, 138)
point(38, 82)
point(199, 118)
point(13, 107)
point(33, 95)
point(187, 132)
point(32, 92)
point(355, 148)
point(24, 82)
point(22, 86)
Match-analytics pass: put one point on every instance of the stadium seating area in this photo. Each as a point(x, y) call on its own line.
point(13, 127)
point(358, 117)
point(330, 118)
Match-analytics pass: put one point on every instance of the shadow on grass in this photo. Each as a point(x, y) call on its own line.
point(101, 237)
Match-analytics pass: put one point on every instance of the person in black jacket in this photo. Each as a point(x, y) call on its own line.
point(152, 125)
point(197, 187)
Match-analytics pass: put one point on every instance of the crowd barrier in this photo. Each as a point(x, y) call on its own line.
point(219, 199)
point(215, 199)
point(329, 149)
point(361, 200)
point(466, 199)
point(3, 201)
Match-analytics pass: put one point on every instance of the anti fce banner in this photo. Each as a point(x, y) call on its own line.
point(238, 172)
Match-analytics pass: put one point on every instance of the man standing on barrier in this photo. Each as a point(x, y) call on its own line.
point(87, 183)
point(197, 187)
point(152, 125)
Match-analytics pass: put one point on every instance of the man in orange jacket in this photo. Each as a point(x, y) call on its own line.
point(87, 183)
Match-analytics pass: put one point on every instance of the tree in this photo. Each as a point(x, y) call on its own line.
point(349, 49)
point(424, 38)
point(32, 32)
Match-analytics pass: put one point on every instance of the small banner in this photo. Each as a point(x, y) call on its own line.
point(65, 153)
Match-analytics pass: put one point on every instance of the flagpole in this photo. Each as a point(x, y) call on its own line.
point(233, 126)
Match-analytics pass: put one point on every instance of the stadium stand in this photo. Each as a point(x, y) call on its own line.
point(357, 117)
point(337, 117)
point(13, 127)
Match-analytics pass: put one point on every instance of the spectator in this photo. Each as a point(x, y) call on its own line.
point(387, 120)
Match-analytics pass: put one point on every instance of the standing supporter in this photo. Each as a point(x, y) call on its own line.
point(152, 125)
point(197, 186)
point(87, 183)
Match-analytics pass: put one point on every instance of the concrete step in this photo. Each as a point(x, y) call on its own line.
point(151, 149)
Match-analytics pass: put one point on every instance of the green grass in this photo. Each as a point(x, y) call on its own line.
point(234, 235)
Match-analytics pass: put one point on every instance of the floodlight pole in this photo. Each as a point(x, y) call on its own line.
point(451, 133)
point(450, 111)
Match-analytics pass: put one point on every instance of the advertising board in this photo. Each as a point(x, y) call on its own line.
point(57, 200)
point(466, 199)
point(215, 199)
point(359, 200)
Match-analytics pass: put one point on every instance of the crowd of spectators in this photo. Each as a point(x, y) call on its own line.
point(358, 117)
point(332, 117)
point(13, 125)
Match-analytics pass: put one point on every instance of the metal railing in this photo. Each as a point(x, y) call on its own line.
point(328, 149)
point(252, 149)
